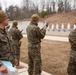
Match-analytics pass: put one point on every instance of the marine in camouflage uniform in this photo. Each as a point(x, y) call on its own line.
point(5, 47)
point(16, 35)
point(72, 61)
point(6, 51)
point(34, 35)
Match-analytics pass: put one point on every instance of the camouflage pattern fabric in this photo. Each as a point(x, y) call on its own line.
point(34, 35)
point(6, 52)
point(16, 35)
point(72, 61)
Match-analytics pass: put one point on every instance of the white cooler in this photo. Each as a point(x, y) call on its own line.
point(11, 70)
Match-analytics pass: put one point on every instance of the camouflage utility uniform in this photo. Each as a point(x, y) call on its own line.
point(15, 35)
point(6, 51)
point(34, 35)
point(72, 61)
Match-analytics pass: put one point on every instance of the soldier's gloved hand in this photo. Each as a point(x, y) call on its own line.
point(16, 62)
point(3, 69)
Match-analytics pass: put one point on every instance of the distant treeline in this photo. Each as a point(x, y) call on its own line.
point(43, 8)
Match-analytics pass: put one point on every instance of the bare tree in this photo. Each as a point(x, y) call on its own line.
point(43, 4)
point(53, 4)
point(60, 6)
point(48, 6)
point(30, 7)
point(26, 3)
point(0, 7)
point(74, 6)
point(67, 6)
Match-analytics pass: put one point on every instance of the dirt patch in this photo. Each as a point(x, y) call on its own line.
point(55, 56)
point(64, 18)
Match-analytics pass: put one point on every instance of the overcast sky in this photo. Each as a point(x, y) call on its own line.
point(6, 3)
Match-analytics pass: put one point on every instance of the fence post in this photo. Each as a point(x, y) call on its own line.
point(74, 26)
point(52, 27)
point(68, 27)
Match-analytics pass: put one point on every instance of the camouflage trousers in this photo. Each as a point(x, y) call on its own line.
point(72, 66)
point(16, 49)
point(34, 60)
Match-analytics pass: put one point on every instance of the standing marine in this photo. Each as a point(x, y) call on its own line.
point(6, 51)
point(16, 36)
point(72, 61)
point(34, 36)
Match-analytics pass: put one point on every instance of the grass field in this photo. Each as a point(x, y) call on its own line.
point(55, 56)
